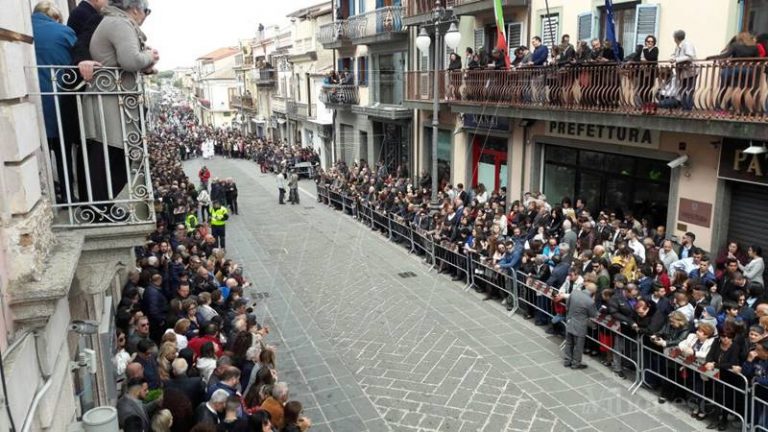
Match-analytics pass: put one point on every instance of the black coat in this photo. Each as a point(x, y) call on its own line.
point(204, 415)
point(192, 387)
point(620, 309)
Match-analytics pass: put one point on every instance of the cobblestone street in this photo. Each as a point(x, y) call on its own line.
point(365, 349)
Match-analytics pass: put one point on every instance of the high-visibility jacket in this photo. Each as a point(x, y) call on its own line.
point(191, 222)
point(219, 217)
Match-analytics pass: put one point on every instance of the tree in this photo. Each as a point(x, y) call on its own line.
point(177, 84)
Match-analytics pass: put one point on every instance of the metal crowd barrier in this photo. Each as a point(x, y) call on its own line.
point(723, 389)
point(759, 407)
point(381, 222)
point(456, 263)
point(485, 276)
point(401, 232)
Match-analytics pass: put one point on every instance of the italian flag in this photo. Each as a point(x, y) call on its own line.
point(501, 34)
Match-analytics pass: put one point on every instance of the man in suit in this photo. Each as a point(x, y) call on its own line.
point(580, 308)
point(210, 412)
point(155, 307)
point(131, 404)
point(192, 387)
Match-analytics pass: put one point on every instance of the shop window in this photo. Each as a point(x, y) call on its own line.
point(561, 154)
point(559, 181)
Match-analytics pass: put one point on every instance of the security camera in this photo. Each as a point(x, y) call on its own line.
point(678, 161)
point(84, 327)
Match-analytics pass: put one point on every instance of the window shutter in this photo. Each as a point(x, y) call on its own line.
point(550, 29)
point(479, 39)
point(646, 22)
point(424, 61)
point(585, 31)
point(514, 36)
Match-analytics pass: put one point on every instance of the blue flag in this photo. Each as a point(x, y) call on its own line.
point(610, 28)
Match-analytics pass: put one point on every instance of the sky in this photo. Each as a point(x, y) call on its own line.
point(183, 30)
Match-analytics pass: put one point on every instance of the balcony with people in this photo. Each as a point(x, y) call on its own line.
point(729, 88)
point(339, 90)
point(95, 118)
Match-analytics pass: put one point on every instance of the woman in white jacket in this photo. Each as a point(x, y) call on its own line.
point(698, 344)
point(754, 269)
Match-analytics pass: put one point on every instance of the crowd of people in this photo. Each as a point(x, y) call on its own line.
point(609, 264)
point(192, 355)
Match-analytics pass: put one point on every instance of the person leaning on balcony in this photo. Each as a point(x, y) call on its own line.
point(567, 51)
point(117, 42)
point(540, 52)
point(682, 59)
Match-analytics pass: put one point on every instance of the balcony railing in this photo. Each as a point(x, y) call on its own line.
point(235, 101)
point(419, 7)
point(264, 77)
point(278, 103)
point(332, 32)
point(727, 90)
point(384, 20)
point(297, 110)
point(339, 95)
point(96, 131)
point(421, 85)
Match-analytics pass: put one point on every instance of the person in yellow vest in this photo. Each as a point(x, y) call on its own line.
point(219, 216)
point(190, 222)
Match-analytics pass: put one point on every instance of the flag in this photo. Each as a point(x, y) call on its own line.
point(610, 30)
point(501, 35)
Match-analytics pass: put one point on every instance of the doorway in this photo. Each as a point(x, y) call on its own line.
point(489, 162)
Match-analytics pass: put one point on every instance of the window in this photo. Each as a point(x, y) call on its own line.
point(646, 22)
point(514, 37)
point(756, 16)
point(362, 71)
point(550, 29)
point(585, 28)
point(633, 21)
point(479, 39)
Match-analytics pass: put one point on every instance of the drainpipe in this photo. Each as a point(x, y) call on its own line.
point(41, 392)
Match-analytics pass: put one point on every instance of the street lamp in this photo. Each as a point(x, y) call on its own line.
point(440, 16)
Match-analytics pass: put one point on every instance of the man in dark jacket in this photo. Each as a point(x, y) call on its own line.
point(85, 11)
point(155, 306)
point(192, 387)
point(540, 52)
point(210, 412)
point(622, 308)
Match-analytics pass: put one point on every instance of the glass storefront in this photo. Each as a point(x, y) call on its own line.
point(443, 153)
point(608, 181)
point(489, 162)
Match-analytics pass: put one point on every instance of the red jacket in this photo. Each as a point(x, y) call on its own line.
point(204, 175)
point(196, 343)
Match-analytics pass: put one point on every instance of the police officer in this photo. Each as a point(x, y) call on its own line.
point(219, 216)
point(190, 222)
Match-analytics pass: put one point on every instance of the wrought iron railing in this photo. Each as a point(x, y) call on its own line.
point(297, 109)
point(420, 85)
point(97, 133)
point(388, 19)
point(264, 77)
point(332, 32)
point(339, 94)
point(729, 90)
point(235, 101)
point(420, 7)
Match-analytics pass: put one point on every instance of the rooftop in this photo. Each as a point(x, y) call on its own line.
point(220, 53)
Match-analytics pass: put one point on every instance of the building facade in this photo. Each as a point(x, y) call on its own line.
point(215, 83)
point(370, 43)
point(582, 132)
point(60, 262)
